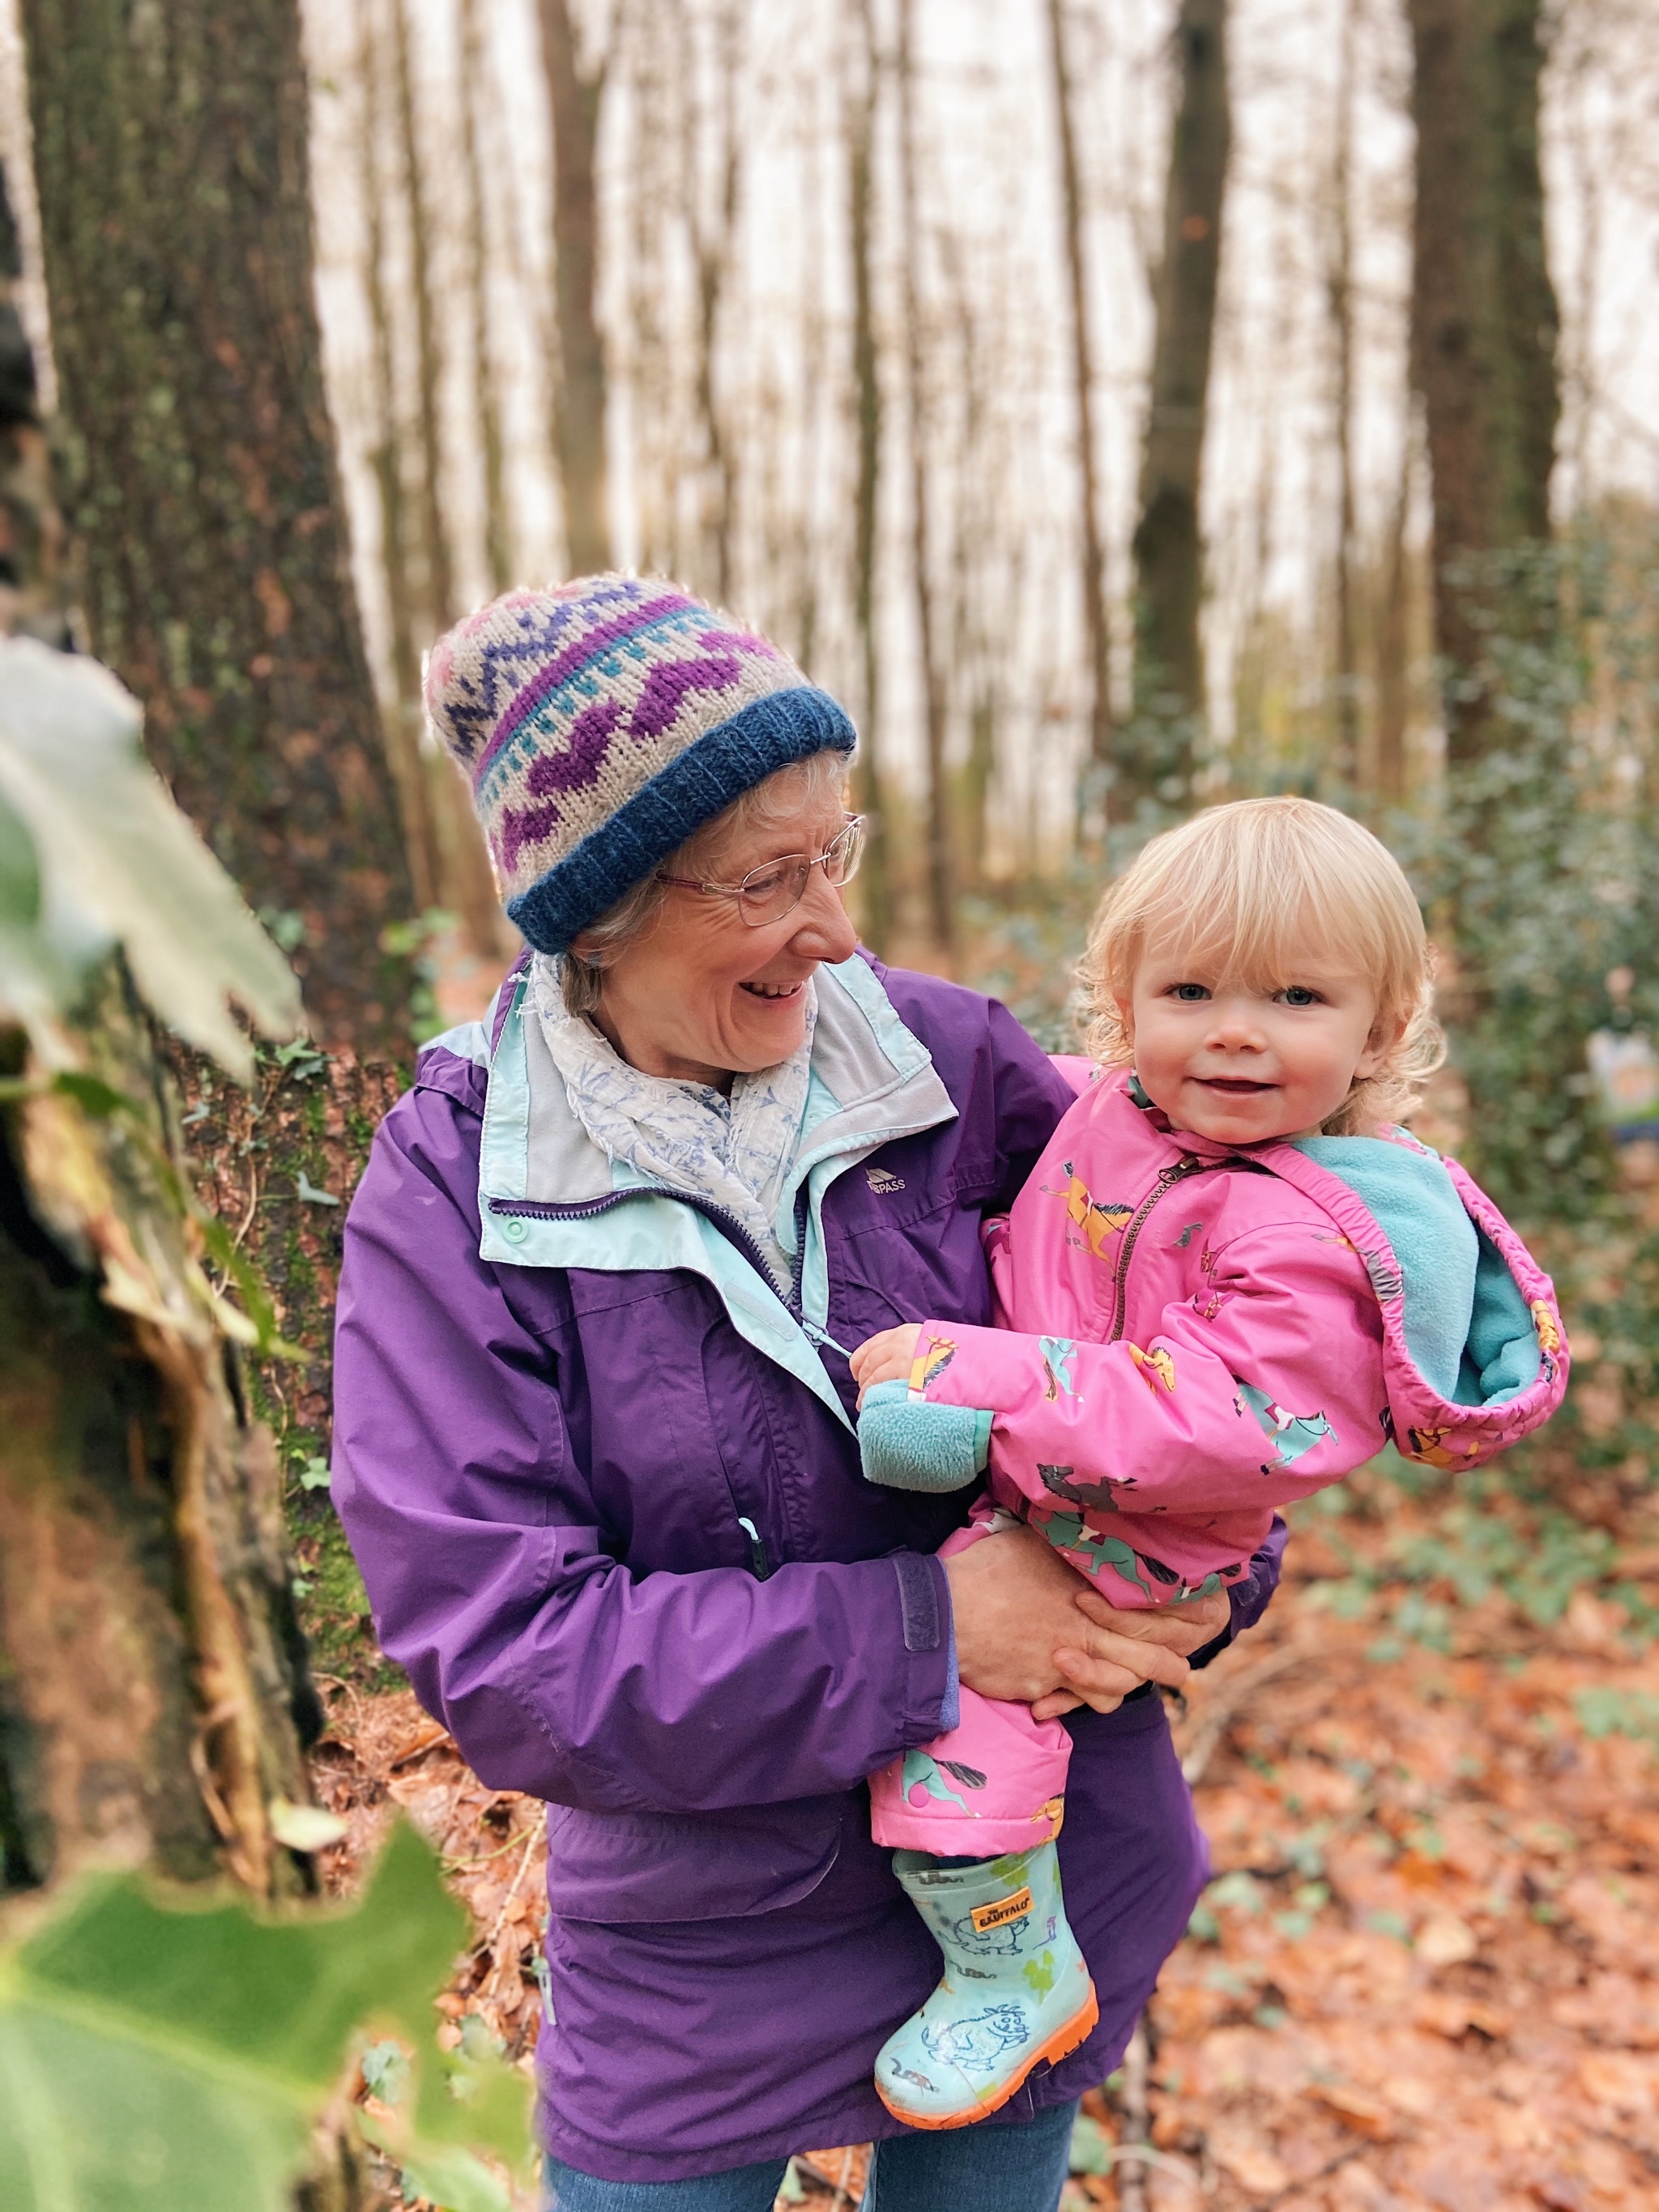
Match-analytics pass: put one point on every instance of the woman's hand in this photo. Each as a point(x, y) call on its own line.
point(1029, 1629)
point(887, 1357)
point(1180, 1629)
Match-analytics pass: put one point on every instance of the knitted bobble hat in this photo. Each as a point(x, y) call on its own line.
point(603, 723)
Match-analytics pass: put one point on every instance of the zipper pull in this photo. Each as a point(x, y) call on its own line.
point(811, 1330)
point(759, 1565)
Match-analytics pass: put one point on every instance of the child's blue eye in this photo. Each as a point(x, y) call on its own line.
point(1189, 994)
point(1297, 994)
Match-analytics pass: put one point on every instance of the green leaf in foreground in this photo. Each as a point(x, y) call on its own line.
point(170, 2058)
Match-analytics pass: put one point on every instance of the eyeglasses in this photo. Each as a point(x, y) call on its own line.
point(768, 893)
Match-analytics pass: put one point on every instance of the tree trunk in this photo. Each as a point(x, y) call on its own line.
point(463, 879)
point(428, 359)
point(712, 243)
point(573, 97)
point(941, 872)
point(153, 1688)
point(1389, 774)
point(170, 150)
point(1168, 547)
point(1096, 623)
point(37, 588)
point(1346, 762)
point(876, 897)
point(1484, 318)
point(486, 379)
point(403, 718)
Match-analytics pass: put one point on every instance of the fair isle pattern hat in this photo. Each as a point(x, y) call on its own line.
point(604, 722)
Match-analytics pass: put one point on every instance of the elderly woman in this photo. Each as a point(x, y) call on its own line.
point(595, 1443)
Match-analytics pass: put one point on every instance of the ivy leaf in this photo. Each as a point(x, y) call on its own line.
point(115, 862)
point(170, 2058)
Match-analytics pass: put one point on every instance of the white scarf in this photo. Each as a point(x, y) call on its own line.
point(737, 1152)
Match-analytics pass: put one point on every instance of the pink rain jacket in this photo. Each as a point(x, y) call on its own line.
point(1193, 1336)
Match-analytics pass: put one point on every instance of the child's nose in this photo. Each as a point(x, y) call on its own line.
point(1235, 1027)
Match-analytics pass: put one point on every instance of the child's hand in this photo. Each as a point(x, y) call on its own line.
point(887, 1357)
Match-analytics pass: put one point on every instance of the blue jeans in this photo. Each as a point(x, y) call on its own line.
point(1019, 2168)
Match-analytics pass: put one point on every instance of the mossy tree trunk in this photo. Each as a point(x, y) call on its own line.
point(154, 1694)
point(171, 155)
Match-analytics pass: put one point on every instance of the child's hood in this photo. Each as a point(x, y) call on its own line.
point(1475, 1354)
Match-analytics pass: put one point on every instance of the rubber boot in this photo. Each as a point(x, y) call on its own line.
point(1016, 1990)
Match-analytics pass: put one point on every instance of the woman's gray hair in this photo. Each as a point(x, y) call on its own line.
point(581, 975)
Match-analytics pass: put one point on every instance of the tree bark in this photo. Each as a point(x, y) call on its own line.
point(403, 717)
point(711, 243)
point(941, 869)
point(486, 379)
point(875, 897)
point(153, 1688)
point(428, 357)
point(37, 585)
point(573, 97)
point(1096, 623)
point(1485, 323)
point(1167, 546)
point(171, 155)
point(463, 880)
point(1346, 762)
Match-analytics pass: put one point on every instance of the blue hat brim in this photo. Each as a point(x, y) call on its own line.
point(702, 782)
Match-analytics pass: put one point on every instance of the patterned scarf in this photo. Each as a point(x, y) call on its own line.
point(736, 1151)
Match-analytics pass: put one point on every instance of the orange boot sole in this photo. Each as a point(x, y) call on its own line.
point(1060, 2044)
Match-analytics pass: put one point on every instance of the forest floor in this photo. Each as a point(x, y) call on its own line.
point(1425, 1976)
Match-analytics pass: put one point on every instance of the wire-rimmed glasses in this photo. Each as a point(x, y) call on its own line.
point(777, 887)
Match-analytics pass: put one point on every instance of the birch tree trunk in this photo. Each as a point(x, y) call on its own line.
point(941, 871)
point(171, 156)
point(1485, 323)
point(1346, 763)
point(573, 96)
point(863, 105)
point(486, 379)
point(1167, 545)
point(1096, 623)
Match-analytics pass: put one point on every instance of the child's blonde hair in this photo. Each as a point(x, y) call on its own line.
point(1232, 887)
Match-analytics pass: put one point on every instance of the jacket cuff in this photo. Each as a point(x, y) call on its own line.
point(1250, 1599)
point(930, 1644)
point(907, 1444)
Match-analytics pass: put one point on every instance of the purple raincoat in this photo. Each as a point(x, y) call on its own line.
point(611, 1520)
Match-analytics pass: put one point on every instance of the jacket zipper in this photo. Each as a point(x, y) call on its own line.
point(760, 1563)
point(1167, 1181)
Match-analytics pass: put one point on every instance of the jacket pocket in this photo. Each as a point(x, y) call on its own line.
point(625, 1867)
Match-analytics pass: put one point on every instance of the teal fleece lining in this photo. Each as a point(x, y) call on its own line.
point(1467, 1326)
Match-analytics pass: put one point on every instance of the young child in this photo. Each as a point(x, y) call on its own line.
point(1230, 1280)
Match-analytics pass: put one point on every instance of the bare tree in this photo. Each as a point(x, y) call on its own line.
point(1096, 621)
point(863, 105)
point(575, 94)
point(435, 528)
point(171, 157)
point(714, 238)
point(1484, 317)
point(1167, 546)
point(1340, 292)
point(403, 717)
point(941, 885)
point(486, 379)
